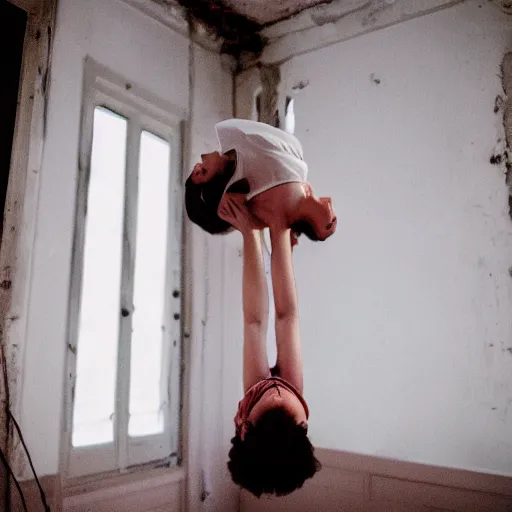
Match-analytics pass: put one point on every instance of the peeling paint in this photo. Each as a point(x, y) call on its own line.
point(498, 158)
point(266, 12)
point(506, 77)
point(239, 33)
point(372, 17)
point(498, 103)
point(270, 79)
point(331, 13)
point(374, 80)
point(504, 5)
point(301, 84)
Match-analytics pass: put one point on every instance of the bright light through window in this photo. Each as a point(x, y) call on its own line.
point(289, 120)
point(101, 280)
point(148, 377)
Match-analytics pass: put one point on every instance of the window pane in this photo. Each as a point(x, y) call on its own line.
point(289, 120)
point(148, 376)
point(100, 301)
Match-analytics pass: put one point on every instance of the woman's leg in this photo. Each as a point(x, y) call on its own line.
point(255, 305)
point(289, 355)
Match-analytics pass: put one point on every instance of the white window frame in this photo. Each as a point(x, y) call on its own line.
point(144, 112)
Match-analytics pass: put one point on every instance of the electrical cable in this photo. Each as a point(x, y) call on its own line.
point(40, 487)
point(3, 458)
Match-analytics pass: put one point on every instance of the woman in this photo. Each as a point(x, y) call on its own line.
point(267, 166)
point(271, 452)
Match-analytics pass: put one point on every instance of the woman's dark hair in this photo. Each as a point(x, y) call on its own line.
point(202, 202)
point(303, 227)
point(275, 457)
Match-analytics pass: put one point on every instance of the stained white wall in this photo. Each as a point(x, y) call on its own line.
point(215, 295)
point(406, 314)
point(155, 58)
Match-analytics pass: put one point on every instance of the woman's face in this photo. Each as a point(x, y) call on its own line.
point(325, 220)
point(210, 165)
point(320, 213)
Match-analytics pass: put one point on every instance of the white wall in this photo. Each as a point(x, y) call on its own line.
point(215, 265)
point(406, 314)
point(155, 58)
point(405, 301)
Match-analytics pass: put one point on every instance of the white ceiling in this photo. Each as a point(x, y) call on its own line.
point(269, 11)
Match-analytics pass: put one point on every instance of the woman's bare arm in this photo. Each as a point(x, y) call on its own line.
point(254, 288)
point(289, 354)
point(255, 306)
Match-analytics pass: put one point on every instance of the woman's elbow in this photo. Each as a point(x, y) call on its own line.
point(255, 320)
point(290, 314)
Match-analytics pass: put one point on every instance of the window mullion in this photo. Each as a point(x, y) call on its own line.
point(127, 285)
point(174, 306)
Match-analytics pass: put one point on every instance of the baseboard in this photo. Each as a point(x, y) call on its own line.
point(352, 482)
point(52, 491)
point(144, 491)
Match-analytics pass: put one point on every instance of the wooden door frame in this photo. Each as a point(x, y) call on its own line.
point(20, 213)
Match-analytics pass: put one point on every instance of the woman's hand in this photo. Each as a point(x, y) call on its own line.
point(233, 209)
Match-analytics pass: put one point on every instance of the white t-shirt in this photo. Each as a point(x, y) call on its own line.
point(266, 156)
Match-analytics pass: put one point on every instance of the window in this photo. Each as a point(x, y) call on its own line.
point(289, 116)
point(124, 326)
